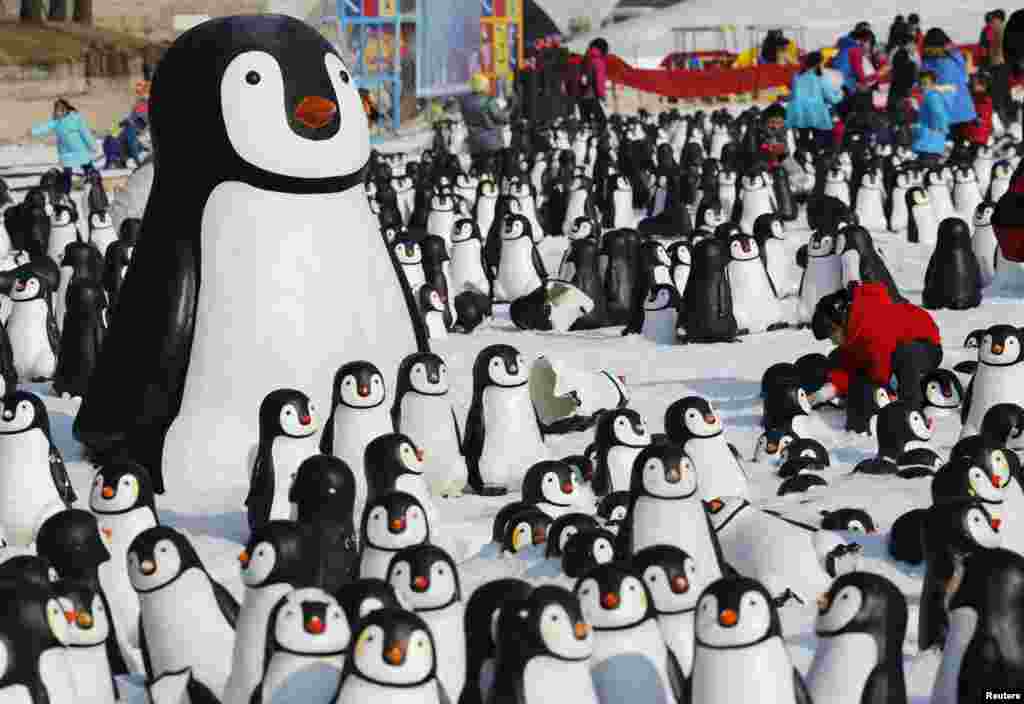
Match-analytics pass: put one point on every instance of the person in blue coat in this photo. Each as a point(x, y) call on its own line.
point(950, 68)
point(932, 126)
point(808, 110)
point(76, 145)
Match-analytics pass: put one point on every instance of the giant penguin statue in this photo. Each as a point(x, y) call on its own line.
point(285, 142)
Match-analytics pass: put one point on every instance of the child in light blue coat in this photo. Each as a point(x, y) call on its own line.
point(932, 126)
point(808, 110)
point(76, 145)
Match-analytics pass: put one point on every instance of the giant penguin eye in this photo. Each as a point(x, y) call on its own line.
point(343, 75)
point(252, 78)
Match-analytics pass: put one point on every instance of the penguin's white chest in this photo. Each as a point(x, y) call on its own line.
point(90, 671)
point(545, 678)
point(60, 237)
point(898, 216)
point(680, 277)
point(761, 673)
point(622, 204)
point(118, 531)
point(576, 208)
point(429, 421)
point(841, 667)
point(27, 493)
point(942, 201)
point(927, 222)
point(678, 632)
point(962, 625)
point(991, 386)
point(273, 312)
point(306, 678)
point(512, 440)
point(985, 245)
point(869, 208)
point(356, 690)
point(485, 213)
point(102, 237)
point(414, 276)
point(660, 325)
point(780, 268)
point(610, 669)
point(838, 189)
point(450, 640)
point(517, 275)
point(34, 357)
point(288, 454)
point(54, 671)
point(250, 642)
point(439, 223)
point(620, 466)
point(753, 302)
point(468, 268)
point(756, 202)
point(435, 325)
point(718, 472)
point(184, 627)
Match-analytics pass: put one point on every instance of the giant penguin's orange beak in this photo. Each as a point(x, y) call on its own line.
point(315, 112)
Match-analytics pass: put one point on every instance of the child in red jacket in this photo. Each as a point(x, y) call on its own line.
point(979, 131)
point(877, 339)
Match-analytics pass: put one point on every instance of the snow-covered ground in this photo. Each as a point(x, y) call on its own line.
point(727, 374)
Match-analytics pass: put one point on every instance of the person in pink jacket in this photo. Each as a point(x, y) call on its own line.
point(592, 80)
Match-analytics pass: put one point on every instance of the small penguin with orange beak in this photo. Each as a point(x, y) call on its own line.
point(391, 521)
point(393, 462)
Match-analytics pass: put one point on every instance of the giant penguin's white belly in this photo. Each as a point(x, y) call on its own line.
point(718, 472)
point(429, 422)
point(993, 385)
point(27, 492)
point(761, 673)
point(660, 326)
point(30, 341)
point(468, 268)
point(984, 244)
point(824, 275)
point(620, 466)
point(644, 641)
point(546, 679)
point(309, 679)
point(962, 625)
point(512, 440)
point(353, 430)
point(55, 673)
point(250, 641)
point(273, 312)
point(203, 640)
point(517, 275)
point(356, 690)
point(90, 672)
point(753, 302)
point(450, 641)
point(288, 454)
point(118, 531)
point(841, 667)
point(682, 523)
point(678, 632)
point(374, 563)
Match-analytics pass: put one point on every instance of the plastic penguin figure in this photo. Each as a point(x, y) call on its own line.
point(901, 427)
point(869, 208)
point(285, 149)
point(897, 208)
point(394, 659)
point(502, 435)
point(982, 647)
point(770, 233)
point(997, 378)
point(863, 402)
point(693, 424)
point(394, 463)
point(613, 510)
point(551, 487)
point(587, 549)
point(707, 311)
point(544, 650)
point(80, 261)
point(620, 249)
point(661, 314)
point(862, 262)
point(565, 527)
point(289, 422)
point(63, 231)
point(740, 655)
point(943, 393)
point(754, 301)
point(322, 496)
point(101, 231)
point(823, 273)
point(519, 269)
point(82, 338)
point(358, 415)
point(433, 310)
point(674, 580)
point(631, 661)
point(390, 522)
point(786, 408)
point(426, 579)
point(32, 327)
point(307, 639)
point(422, 409)
point(681, 256)
point(756, 198)
point(275, 561)
point(983, 241)
point(28, 569)
point(437, 270)
point(166, 572)
point(34, 631)
point(667, 510)
point(124, 505)
point(860, 626)
point(580, 267)
point(34, 483)
point(852, 520)
point(620, 436)
point(922, 222)
point(522, 531)
point(468, 269)
point(483, 611)
point(770, 445)
point(953, 277)
point(92, 643)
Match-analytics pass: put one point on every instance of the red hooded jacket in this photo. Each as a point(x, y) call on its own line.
point(875, 327)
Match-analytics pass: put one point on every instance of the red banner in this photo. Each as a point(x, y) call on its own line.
point(370, 8)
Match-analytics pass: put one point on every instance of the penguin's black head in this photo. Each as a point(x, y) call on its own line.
point(27, 569)
point(587, 549)
point(992, 585)
point(284, 112)
point(308, 622)
point(973, 340)
point(613, 595)
point(323, 486)
point(425, 578)
point(726, 231)
point(524, 528)
point(364, 596)
point(984, 213)
point(276, 554)
point(671, 576)
point(29, 286)
point(680, 254)
point(770, 445)
point(358, 385)
point(63, 215)
point(407, 251)
point(942, 390)
point(780, 374)
point(999, 464)
point(954, 234)
point(288, 413)
point(1003, 424)
point(917, 199)
point(515, 226)
point(901, 422)
point(550, 482)
point(158, 556)
point(961, 478)
point(785, 400)
point(623, 426)
point(394, 520)
point(32, 621)
point(864, 602)
point(691, 417)
point(663, 471)
point(71, 541)
point(120, 487)
point(736, 612)
point(1001, 346)
point(802, 454)
point(548, 622)
point(854, 520)
point(711, 255)
point(858, 239)
point(395, 454)
point(429, 299)
point(563, 528)
point(743, 248)
point(464, 230)
point(614, 508)
point(769, 226)
point(392, 648)
point(499, 365)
